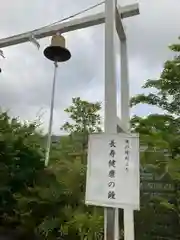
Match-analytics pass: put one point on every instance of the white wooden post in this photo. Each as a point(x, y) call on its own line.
point(110, 124)
point(125, 118)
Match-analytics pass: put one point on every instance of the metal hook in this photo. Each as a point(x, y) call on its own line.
point(34, 41)
point(2, 54)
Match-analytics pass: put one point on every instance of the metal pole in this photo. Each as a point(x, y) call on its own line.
point(48, 146)
point(110, 124)
point(125, 117)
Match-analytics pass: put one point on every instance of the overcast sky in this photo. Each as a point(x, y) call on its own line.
point(26, 78)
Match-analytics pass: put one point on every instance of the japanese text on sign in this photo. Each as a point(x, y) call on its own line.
point(112, 170)
point(126, 154)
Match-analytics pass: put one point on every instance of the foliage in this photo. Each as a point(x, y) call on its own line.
point(48, 202)
point(86, 221)
point(23, 202)
point(72, 219)
point(160, 133)
point(84, 115)
point(167, 95)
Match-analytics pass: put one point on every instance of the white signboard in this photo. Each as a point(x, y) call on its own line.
point(113, 171)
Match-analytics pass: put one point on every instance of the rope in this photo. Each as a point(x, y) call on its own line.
point(71, 16)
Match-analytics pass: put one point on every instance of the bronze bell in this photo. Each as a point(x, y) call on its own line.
point(57, 51)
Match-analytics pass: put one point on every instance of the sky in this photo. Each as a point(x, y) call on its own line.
point(26, 78)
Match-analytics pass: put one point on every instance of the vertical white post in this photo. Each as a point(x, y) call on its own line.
point(110, 124)
point(125, 117)
point(125, 110)
point(128, 224)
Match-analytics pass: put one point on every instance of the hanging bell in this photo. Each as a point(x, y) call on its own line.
point(57, 51)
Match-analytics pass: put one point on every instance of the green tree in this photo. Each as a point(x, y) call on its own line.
point(72, 219)
point(26, 187)
point(167, 94)
point(46, 202)
point(158, 133)
point(84, 119)
point(84, 116)
point(161, 132)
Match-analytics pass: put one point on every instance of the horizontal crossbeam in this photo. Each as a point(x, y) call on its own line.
point(79, 23)
point(119, 26)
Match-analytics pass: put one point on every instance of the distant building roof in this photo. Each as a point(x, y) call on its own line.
point(55, 138)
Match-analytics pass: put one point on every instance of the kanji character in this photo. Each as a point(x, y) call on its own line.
point(126, 147)
point(112, 143)
point(127, 158)
point(111, 184)
point(112, 163)
point(111, 195)
point(112, 153)
point(127, 152)
point(111, 173)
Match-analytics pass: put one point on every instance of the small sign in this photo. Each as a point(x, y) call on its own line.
point(113, 171)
